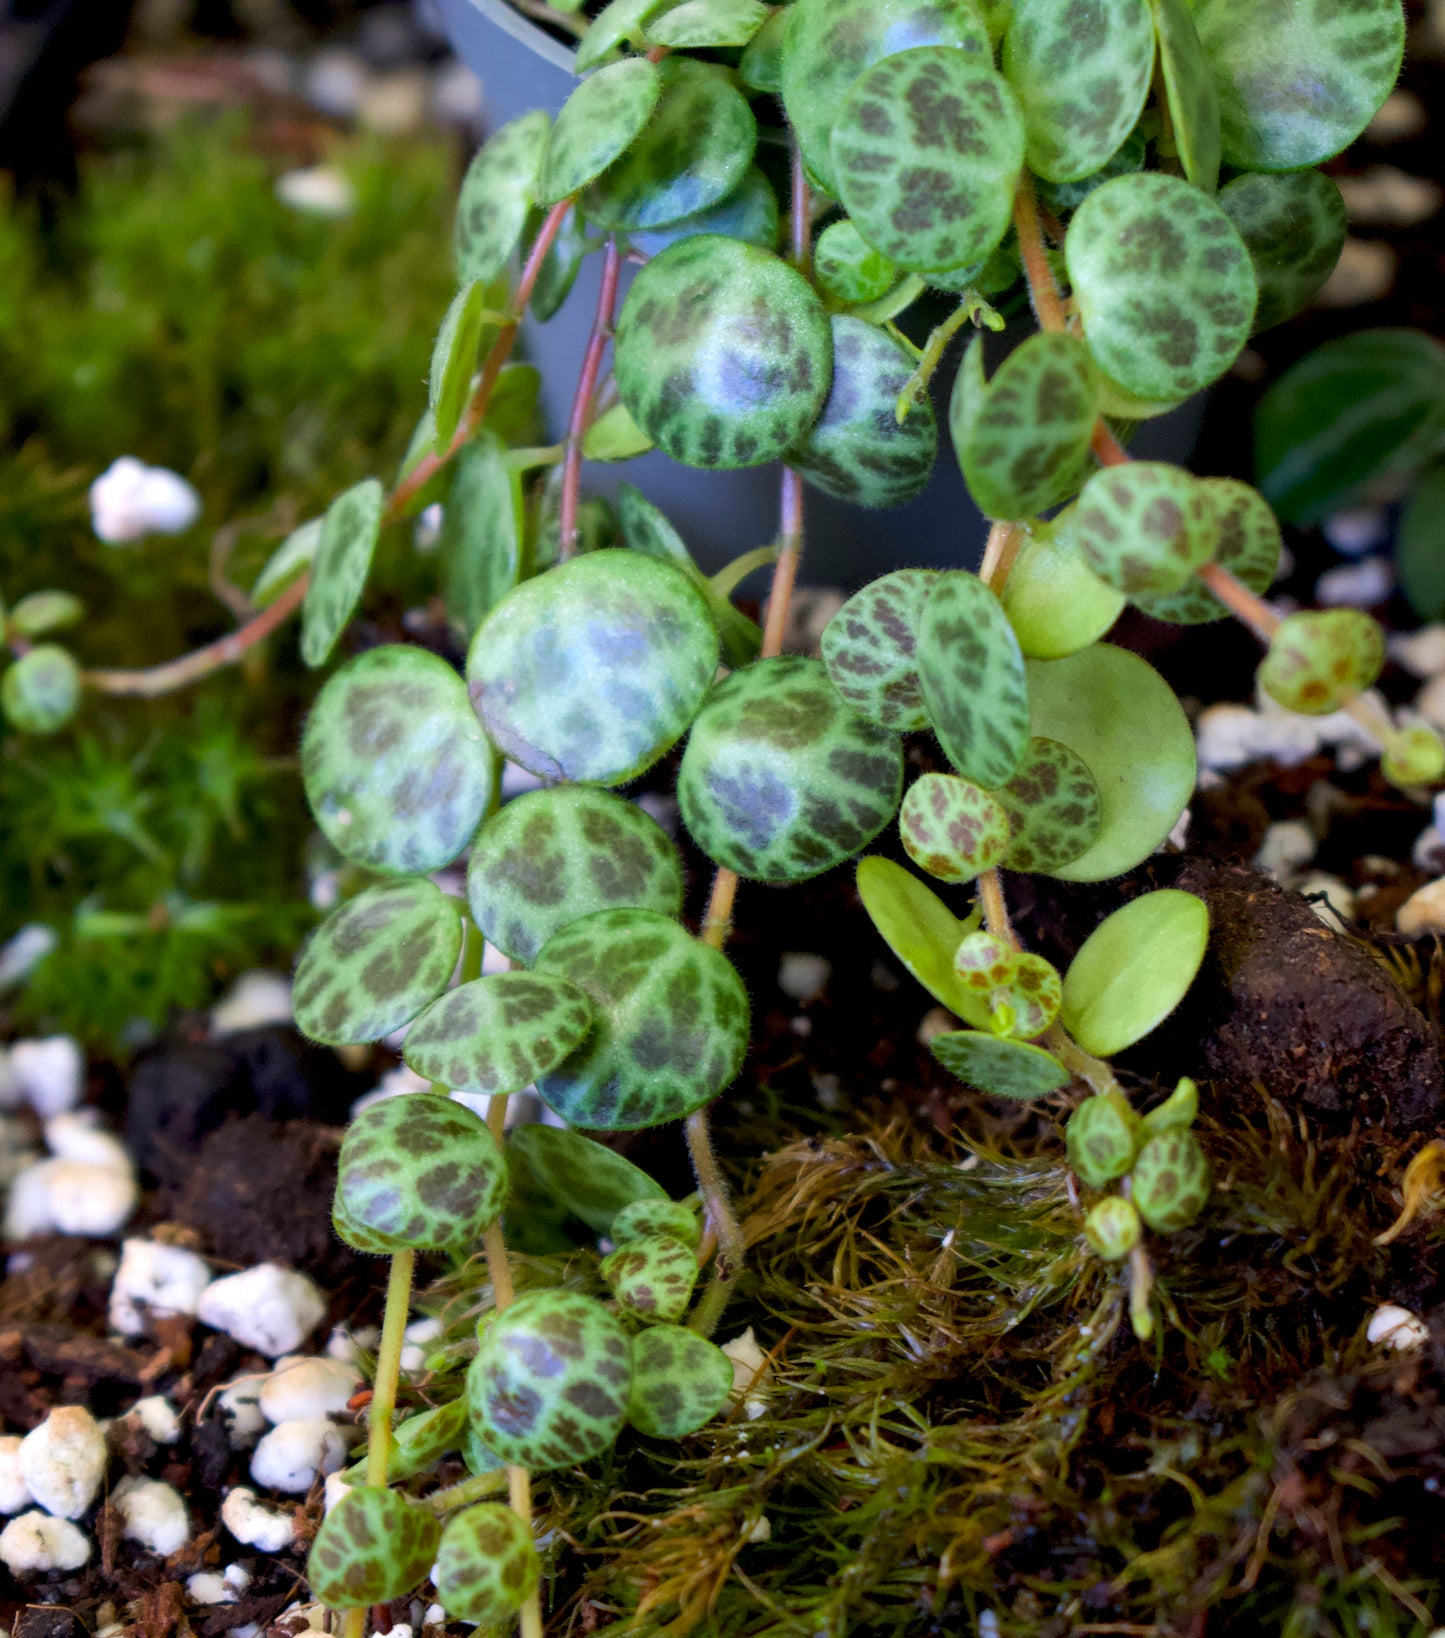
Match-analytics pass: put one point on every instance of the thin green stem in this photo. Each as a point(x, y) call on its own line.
point(933, 350)
point(466, 1491)
point(388, 1366)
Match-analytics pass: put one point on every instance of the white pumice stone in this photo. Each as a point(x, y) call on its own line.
point(1396, 1327)
point(304, 1389)
point(237, 1577)
point(15, 1494)
point(1229, 736)
point(50, 1073)
point(1356, 530)
point(1356, 585)
point(157, 1416)
point(90, 1200)
point(417, 1338)
point(79, 1136)
point(345, 1345)
point(154, 1280)
point(153, 1514)
point(256, 999)
point(130, 500)
point(258, 1524)
point(207, 1587)
point(803, 976)
point(334, 1489)
point(63, 1461)
point(1422, 653)
point(35, 1544)
point(28, 1209)
point(1339, 904)
point(1287, 846)
point(750, 1373)
point(239, 1402)
point(292, 1454)
point(268, 1308)
point(1423, 911)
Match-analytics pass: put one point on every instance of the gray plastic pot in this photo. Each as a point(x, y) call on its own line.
point(722, 514)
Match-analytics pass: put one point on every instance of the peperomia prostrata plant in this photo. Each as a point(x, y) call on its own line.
point(791, 182)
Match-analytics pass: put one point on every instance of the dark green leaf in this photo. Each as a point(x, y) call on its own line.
point(592, 1181)
point(454, 359)
point(749, 213)
point(1420, 550)
point(1001, 1067)
point(497, 1034)
point(339, 571)
point(1293, 227)
point(481, 538)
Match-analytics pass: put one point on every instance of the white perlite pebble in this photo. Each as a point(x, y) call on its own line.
point(49, 1073)
point(254, 1000)
point(306, 1389)
point(1356, 530)
point(240, 1403)
point(333, 1490)
point(1356, 585)
point(63, 1461)
point(1422, 653)
point(69, 1197)
point(802, 976)
point(1430, 703)
point(317, 188)
point(1423, 911)
point(157, 1416)
point(750, 1372)
point(292, 1454)
point(1397, 1328)
point(34, 1544)
point(153, 1514)
point(1339, 904)
point(130, 500)
point(268, 1308)
point(420, 1334)
point(78, 1136)
point(1287, 846)
point(155, 1280)
point(207, 1587)
point(14, 1492)
point(255, 1523)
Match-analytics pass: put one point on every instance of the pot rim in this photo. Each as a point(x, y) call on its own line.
point(526, 33)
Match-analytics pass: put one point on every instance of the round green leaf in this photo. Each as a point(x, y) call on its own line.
point(481, 537)
point(419, 1172)
point(704, 25)
point(652, 1276)
point(760, 67)
point(848, 268)
point(598, 122)
point(594, 670)
point(672, 1021)
point(549, 1385)
point(499, 189)
point(497, 1034)
point(396, 767)
point(453, 361)
point(1293, 227)
point(1054, 600)
point(1112, 1227)
point(921, 931)
point(951, 828)
point(1102, 1136)
point(1320, 658)
point(692, 152)
point(1412, 757)
point(559, 270)
point(723, 353)
point(592, 1181)
point(1134, 969)
point(375, 962)
point(994, 1064)
point(1247, 543)
point(349, 533)
point(1144, 528)
point(1053, 806)
point(487, 1566)
point(43, 612)
point(857, 450)
point(294, 556)
point(870, 647)
point(1022, 439)
point(1298, 81)
point(550, 857)
point(829, 43)
point(1022, 991)
point(1122, 718)
point(1162, 282)
point(1189, 87)
point(1081, 73)
point(40, 692)
point(679, 1381)
point(1170, 1181)
point(619, 22)
point(927, 151)
point(374, 1545)
point(972, 676)
point(780, 780)
point(748, 213)
point(645, 1217)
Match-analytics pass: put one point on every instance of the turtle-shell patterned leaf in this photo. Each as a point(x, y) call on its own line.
point(848, 268)
point(1298, 79)
point(780, 779)
point(984, 961)
point(1247, 543)
point(870, 649)
point(1190, 89)
point(349, 533)
point(1054, 600)
point(672, 1021)
point(500, 187)
point(481, 538)
point(1144, 528)
point(1035, 993)
point(1293, 227)
point(829, 43)
point(857, 450)
point(760, 67)
point(1170, 1181)
point(1102, 1136)
point(420, 1439)
point(375, 962)
point(1320, 658)
point(594, 670)
point(972, 674)
point(1023, 992)
point(497, 1034)
point(550, 857)
point(748, 213)
point(1162, 282)
point(550, 1382)
point(723, 353)
point(487, 1566)
point(648, 1217)
point(1112, 1227)
point(1063, 198)
point(703, 25)
point(927, 151)
point(396, 767)
point(693, 151)
point(951, 828)
point(1053, 806)
point(597, 123)
point(594, 1182)
point(1022, 438)
point(994, 1064)
point(1082, 73)
point(618, 23)
point(680, 1381)
point(374, 1545)
point(652, 1276)
point(40, 691)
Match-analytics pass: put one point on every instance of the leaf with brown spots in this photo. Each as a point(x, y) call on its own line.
point(498, 1034)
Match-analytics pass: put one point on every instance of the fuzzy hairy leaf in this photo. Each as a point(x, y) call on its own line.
point(704, 25)
point(951, 828)
point(1134, 969)
point(349, 533)
point(652, 1277)
point(870, 648)
point(481, 536)
point(848, 268)
point(1054, 600)
point(597, 123)
point(1293, 227)
point(679, 1381)
point(617, 23)
point(1190, 89)
point(1247, 543)
point(998, 1066)
point(1053, 807)
point(454, 358)
point(374, 1545)
point(1170, 1181)
point(749, 213)
point(592, 1181)
point(1321, 658)
point(497, 1034)
point(486, 1566)
point(499, 189)
point(1144, 528)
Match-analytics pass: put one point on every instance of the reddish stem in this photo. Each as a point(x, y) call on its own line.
point(582, 400)
point(1043, 292)
point(1106, 446)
